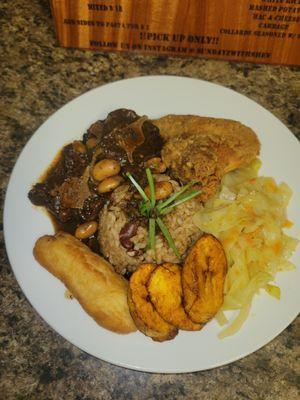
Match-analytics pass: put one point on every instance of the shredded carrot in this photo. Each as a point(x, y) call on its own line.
point(248, 208)
point(250, 236)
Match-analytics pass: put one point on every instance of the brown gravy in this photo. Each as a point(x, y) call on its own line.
point(67, 189)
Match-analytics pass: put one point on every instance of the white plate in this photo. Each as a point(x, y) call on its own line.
point(24, 223)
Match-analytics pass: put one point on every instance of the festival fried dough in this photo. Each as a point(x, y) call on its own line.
point(101, 292)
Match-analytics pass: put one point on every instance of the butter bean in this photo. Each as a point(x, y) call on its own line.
point(105, 168)
point(156, 165)
point(162, 190)
point(109, 184)
point(86, 230)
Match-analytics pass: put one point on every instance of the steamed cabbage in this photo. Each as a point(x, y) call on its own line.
point(248, 217)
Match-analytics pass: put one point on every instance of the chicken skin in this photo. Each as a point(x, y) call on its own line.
point(203, 149)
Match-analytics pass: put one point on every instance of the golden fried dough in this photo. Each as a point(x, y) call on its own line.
point(142, 310)
point(165, 292)
point(203, 277)
point(204, 149)
point(92, 281)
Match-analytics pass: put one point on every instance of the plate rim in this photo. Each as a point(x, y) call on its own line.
point(9, 254)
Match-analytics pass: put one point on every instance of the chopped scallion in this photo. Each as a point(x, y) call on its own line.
point(151, 186)
point(175, 195)
point(168, 237)
point(137, 186)
point(183, 199)
point(151, 238)
point(153, 211)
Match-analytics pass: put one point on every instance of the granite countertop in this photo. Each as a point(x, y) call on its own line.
point(37, 78)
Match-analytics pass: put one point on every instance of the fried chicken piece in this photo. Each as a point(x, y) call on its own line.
point(204, 149)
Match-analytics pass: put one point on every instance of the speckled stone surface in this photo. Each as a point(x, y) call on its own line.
point(37, 78)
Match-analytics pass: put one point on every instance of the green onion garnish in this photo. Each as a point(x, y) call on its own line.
point(137, 186)
point(175, 195)
point(187, 196)
point(151, 185)
point(151, 238)
point(168, 237)
point(150, 209)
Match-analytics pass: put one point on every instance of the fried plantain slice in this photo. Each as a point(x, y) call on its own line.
point(203, 277)
point(165, 292)
point(146, 318)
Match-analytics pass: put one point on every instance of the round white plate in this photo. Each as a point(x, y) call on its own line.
point(24, 223)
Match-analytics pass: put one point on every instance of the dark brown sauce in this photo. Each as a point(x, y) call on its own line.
point(67, 190)
point(50, 167)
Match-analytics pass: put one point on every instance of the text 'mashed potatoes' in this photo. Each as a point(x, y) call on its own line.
point(203, 276)
point(142, 310)
point(165, 292)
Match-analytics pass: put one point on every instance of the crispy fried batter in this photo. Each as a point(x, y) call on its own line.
point(203, 277)
point(142, 311)
point(204, 149)
point(165, 291)
point(91, 280)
